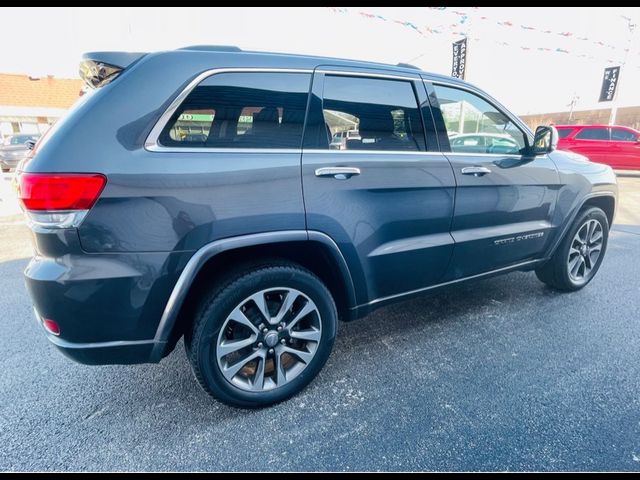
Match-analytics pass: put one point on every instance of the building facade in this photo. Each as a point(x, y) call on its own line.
point(31, 105)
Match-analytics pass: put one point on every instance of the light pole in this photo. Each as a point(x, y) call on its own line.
point(614, 103)
point(572, 104)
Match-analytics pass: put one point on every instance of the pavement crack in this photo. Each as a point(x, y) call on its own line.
point(96, 413)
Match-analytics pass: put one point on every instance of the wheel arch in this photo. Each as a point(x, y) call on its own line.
point(313, 250)
point(604, 200)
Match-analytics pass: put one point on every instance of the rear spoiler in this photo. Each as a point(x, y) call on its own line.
point(99, 68)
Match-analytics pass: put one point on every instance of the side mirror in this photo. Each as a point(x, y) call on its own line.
point(30, 144)
point(545, 140)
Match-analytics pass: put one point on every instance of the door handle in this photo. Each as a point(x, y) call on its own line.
point(475, 171)
point(339, 173)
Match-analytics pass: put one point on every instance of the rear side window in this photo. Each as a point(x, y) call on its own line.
point(241, 110)
point(599, 133)
point(371, 114)
point(564, 132)
point(622, 135)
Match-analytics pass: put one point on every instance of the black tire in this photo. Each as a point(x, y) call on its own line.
point(5, 170)
point(555, 272)
point(201, 341)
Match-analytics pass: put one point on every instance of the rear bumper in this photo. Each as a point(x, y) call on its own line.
point(104, 353)
point(107, 306)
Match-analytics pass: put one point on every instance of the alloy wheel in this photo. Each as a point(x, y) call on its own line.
point(268, 339)
point(585, 250)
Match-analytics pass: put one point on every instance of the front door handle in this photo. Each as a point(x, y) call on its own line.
point(339, 173)
point(475, 171)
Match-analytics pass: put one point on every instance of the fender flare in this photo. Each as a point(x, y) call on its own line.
point(210, 250)
point(572, 216)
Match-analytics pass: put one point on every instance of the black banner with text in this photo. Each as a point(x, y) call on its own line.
point(459, 58)
point(609, 84)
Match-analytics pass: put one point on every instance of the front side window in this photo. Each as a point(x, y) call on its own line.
point(475, 126)
point(241, 110)
point(371, 114)
point(598, 133)
point(622, 135)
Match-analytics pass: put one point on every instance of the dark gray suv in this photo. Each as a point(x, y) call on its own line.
point(199, 193)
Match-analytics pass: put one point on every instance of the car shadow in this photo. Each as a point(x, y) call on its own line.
point(453, 307)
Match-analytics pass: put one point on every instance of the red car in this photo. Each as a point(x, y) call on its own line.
point(613, 145)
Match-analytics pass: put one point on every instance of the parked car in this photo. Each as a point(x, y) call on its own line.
point(613, 145)
point(252, 240)
point(14, 148)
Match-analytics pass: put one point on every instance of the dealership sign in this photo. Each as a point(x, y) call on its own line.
point(609, 84)
point(459, 58)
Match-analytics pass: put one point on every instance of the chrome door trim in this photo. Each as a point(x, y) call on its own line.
point(332, 171)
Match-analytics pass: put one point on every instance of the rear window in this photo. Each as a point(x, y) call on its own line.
point(564, 132)
point(241, 110)
point(593, 134)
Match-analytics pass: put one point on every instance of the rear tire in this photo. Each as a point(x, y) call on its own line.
point(579, 256)
point(262, 334)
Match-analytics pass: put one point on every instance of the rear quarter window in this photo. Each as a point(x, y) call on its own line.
point(241, 110)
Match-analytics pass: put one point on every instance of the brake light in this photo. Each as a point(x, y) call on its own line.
point(44, 191)
point(59, 200)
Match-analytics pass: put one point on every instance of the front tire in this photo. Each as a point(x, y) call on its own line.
point(580, 254)
point(260, 336)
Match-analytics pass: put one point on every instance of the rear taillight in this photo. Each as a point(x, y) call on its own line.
point(59, 200)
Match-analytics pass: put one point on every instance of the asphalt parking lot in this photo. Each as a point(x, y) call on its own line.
point(502, 374)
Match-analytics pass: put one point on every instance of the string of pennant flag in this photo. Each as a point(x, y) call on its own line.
point(458, 29)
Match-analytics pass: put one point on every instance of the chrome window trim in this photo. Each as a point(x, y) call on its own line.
point(152, 144)
point(478, 154)
point(163, 149)
point(369, 152)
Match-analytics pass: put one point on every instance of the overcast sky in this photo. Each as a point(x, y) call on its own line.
point(503, 53)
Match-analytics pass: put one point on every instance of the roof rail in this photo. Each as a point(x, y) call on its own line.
point(213, 48)
point(407, 65)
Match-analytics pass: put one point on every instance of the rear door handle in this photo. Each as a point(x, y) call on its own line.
point(475, 171)
point(339, 173)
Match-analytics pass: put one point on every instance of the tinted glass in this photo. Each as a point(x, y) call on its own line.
point(622, 135)
point(241, 110)
point(564, 132)
point(371, 114)
point(476, 126)
point(593, 134)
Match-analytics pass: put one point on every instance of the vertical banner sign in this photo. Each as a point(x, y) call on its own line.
point(609, 84)
point(459, 58)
